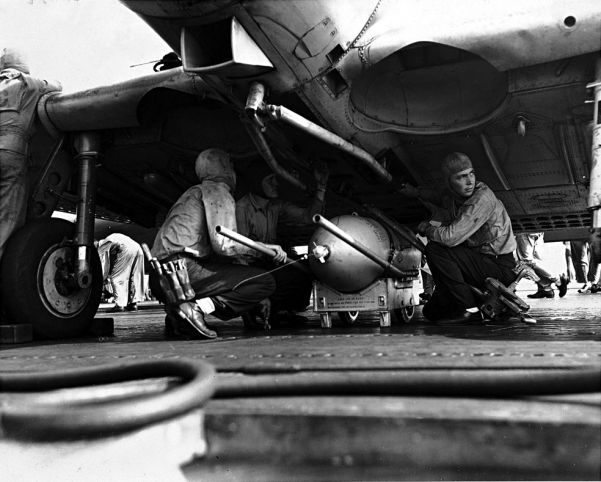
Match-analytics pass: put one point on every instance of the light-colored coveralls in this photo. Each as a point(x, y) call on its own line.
point(527, 251)
point(123, 263)
point(19, 95)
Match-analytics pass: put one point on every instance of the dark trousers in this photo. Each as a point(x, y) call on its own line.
point(237, 287)
point(584, 263)
point(454, 270)
point(293, 289)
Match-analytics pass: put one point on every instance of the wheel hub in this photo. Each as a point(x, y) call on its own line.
point(59, 289)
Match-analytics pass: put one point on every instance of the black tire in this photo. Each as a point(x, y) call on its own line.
point(348, 317)
point(30, 290)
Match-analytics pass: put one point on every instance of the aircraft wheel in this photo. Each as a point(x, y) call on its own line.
point(37, 281)
point(404, 314)
point(348, 317)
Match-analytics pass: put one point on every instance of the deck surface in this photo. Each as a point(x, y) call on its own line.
point(568, 333)
point(374, 437)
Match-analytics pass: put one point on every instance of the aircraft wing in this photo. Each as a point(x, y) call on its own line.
point(382, 90)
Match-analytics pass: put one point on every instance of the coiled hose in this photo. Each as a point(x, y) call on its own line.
point(71, 421)
point(36, 420)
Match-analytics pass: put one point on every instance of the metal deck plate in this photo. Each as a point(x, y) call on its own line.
point(377, 437)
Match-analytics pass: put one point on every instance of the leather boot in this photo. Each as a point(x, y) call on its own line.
point(258, 317)
point(463, 318)
point(542, 294)
point(562, 285)
point(189, 313)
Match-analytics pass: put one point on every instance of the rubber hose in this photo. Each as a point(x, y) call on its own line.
point(57, 421)
point(430, 382)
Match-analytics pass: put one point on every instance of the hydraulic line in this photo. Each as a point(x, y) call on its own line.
point(69, 421)
point(263, 148)
point(279, 112)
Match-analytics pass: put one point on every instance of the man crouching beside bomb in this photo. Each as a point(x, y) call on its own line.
point(188, 238)
point(470, 240)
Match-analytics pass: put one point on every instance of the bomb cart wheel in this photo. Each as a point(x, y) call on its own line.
point(348, 317)
point(38, 285)
point(404, 314)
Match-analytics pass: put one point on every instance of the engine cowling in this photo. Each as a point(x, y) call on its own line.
point(344, 268)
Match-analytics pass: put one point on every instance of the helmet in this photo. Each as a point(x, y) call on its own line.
point(453, 163)
point(215, 165)
point(13, 59)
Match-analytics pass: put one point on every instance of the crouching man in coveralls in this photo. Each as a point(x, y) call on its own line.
point(470, 240)
point(222, 288)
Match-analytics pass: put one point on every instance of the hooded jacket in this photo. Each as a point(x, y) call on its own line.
point(191, 221)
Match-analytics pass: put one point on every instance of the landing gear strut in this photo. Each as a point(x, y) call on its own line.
point(51, 273)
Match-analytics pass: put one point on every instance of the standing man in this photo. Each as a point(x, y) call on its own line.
point(222, 287)
point(259, 214)
point(527, 251)
point(585, 265)
point(470, 239)
point(123, 265)
point(19, 95)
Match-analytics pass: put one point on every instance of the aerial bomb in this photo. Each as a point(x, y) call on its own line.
point(345, 268)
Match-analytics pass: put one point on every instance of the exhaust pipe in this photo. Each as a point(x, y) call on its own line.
point(279, 112)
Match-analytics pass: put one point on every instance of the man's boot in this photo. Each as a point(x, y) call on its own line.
point(543, 292)
point(190, 314)
point(258, 317)
point(562, 285)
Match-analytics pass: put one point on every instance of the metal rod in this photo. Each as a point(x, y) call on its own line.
point(339, 233)
point(49, 162)
point(563, 142)
point(404, 232)
point(492, 159)
point(239, 238)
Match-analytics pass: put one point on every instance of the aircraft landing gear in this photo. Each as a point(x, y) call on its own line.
point(51, 277)
point(38, 282)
